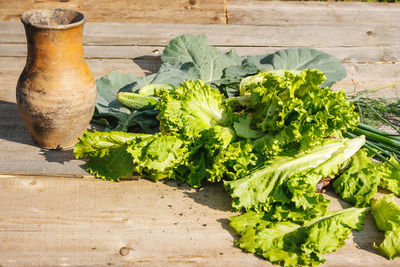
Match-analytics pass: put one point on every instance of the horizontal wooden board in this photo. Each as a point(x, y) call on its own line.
point(58, 221)
point(155, 11)
point(361, 76)
point(259, 12)
point(362, 54)
point(97, 33)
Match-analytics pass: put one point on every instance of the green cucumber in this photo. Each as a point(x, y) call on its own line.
point(150, 89)
point(136, 101)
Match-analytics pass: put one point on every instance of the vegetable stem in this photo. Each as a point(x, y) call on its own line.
point(377, 137)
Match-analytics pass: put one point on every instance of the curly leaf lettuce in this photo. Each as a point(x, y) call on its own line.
point(292, 180)
point(290, 107)
point(291, 244)
point(156, 158)
point(109, 159)
point(193, 107)
point(214, 156)
point(391, 176)
point(358, 184)
point(387, 217)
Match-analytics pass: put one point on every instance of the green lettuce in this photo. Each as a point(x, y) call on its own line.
point(290, 107)
point(292, 180)
point(358, 184)
point(387, 217)
point(191, 108)
point(109, 159)
point(391, 176)
point(291, 244)
point(189, 57)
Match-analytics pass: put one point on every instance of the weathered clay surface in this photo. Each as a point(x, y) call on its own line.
point(56, 92)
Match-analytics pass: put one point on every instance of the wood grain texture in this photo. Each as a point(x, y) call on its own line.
point(140, 34)
point(363, 54)
point(259, 12)
point(136, 223)
point(155, 11)
point(53, 213)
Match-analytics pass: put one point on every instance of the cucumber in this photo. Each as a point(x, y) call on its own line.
point(150, 89)
point(136, 101)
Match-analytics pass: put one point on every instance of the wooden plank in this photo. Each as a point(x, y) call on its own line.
point(57, 221)
point(362, 54)
point(97, 33)
point(363, 76)
point(258, 12)
point(155, 11)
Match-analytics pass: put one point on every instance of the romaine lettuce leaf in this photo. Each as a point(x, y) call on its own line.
point(358, 184)
point(387, 217)
point(291, 244)
point(292, 179)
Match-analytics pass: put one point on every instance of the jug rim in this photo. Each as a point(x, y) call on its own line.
point(46, 18)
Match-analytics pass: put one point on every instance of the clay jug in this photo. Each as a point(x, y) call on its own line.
point(56, 92)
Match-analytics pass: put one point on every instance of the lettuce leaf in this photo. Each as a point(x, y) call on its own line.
point(189, 57)
point(290, 244)
point(290, 107)
point(387, 217)
point(156, 158)
point(359, 182)
point(391, 176)
point(292, 180)
point(109, 159)
point(191, 108)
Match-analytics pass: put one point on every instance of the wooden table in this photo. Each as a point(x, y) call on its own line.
point(54, 213)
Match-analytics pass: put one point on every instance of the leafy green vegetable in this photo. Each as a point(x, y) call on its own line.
point(107, 152)
point(192, 52)
point(291, 107)
point(136, 101)
point(189, 57)
point(291, 244)
point(292, 180)
point(190, 108)
point(291, 59)
point(387, 217)
point(391, 176)
point(359, 183)
point(112, 113)
point(155, 158)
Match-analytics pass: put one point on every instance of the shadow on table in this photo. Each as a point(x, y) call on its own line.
point(211, 195)
point(150, 64)
point(12, 129)
point(365, 238)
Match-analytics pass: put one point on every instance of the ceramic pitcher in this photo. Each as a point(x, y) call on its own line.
point(56, 92)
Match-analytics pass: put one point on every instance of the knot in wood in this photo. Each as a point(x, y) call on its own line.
point(124, 251)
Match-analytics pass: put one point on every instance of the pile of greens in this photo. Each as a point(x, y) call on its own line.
point(268, 127)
